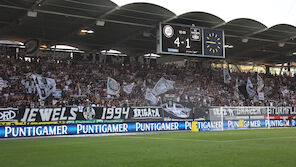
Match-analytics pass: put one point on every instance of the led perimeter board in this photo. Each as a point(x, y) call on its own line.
point(176, 39)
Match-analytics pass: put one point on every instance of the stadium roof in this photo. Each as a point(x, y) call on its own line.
point(131, 27)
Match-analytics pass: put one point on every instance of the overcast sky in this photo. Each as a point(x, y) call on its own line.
point(268, 12)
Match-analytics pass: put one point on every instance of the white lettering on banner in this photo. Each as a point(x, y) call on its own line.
point(157, 126)
point(105, 128)
point(49, 114)
point(188, 125)
point(32, 115)
point(146, 113)
point(36, 131)
point(56, 114)
point(207, 125)
point(7, 115)
point(115, 113)
point(73, 113)
point(45, 114)
point(233, 124)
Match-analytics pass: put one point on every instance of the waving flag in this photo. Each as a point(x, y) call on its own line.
point(45, 86)
point(151, 97)
point(249, 89)
point(129, 88)
point(113, 87)
point(163, 86)
point(260, 83)
point(227, 77)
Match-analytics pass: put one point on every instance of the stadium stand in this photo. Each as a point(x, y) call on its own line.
point(84, 83)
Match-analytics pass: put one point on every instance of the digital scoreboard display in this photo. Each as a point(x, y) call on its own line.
point(190, 41)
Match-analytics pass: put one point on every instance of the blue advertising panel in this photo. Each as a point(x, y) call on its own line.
point(79, 129)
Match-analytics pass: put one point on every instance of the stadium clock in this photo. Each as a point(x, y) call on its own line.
point(213, 43)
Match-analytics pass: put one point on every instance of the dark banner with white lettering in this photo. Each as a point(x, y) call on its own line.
point(174, 111)
point(146, 113)
point(73, 114)
point(170, 111)
point(8, 114)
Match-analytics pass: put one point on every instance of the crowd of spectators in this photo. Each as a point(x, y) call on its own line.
point(84, 83)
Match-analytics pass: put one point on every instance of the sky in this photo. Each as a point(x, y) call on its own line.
point(268, 12)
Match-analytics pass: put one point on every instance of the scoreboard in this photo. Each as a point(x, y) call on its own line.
point(190, 41)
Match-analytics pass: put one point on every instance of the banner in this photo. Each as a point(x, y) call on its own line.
point(113, 87)
point(81, 129)
point(174, 111)
point(162, 86)
point(129, 88)
point(237, 113)
point(72, 114)
point(146, 113)
point(242, 124)
point(8, 114)
point(109, 128)
point(261, 95)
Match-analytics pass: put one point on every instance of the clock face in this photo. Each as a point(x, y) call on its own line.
point(213, 43)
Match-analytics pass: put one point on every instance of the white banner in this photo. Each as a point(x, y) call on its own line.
point(163, 86)
point(261, 95)
point(113, 87)
point(44, 86)
point(129, 88)
point(150, 96)
point(227, 77)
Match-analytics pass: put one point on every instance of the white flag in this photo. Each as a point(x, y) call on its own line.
point(260, 83)
point(113, 87)
point(249, 88)
point(227, 77)
point(150, 96)
point(129, 88)
point(163, 86)
point(236, 94)
point(44, 86)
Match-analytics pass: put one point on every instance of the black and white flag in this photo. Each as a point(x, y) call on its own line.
point(250, 89)
point(44, 86)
